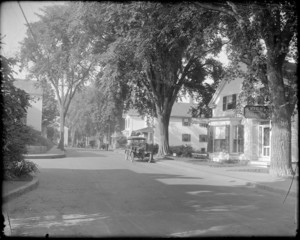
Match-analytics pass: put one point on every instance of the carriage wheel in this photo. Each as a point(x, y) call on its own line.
point(142, 155)
point(131, 156)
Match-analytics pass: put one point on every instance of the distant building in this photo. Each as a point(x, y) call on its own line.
point(183, 129)
point(34, 112)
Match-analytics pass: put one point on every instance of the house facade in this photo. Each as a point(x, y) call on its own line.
point(34, 112)
point(183, 129)
point(246, 136)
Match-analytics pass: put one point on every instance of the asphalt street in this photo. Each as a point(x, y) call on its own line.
point(99, 194)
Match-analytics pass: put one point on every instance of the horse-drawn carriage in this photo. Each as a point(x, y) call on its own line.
point(137, 147)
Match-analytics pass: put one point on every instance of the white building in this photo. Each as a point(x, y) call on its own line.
point(183, 129)
point(236, 136)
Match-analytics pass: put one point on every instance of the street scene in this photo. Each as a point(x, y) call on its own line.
point(150, 119)
point(99, 194)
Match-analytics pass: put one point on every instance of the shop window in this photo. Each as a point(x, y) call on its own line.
point(202, 138)
point(186, 122)
point(186, 137)
point(221, 139)
point(238, 139)
point(229, 102)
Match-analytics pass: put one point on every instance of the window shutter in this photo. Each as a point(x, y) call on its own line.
point(224, 103)
point(227, 136)
point(210, 139)
point(241, 136)
point(233, 101)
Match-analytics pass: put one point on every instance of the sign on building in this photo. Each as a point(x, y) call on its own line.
point(258, 112)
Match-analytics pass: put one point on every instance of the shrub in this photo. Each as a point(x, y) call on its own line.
point(182, 151)
point(122, 141)
point(154, 148)
point(35, 139)
point(92, 143)
point(15, 133)
point(15, 170)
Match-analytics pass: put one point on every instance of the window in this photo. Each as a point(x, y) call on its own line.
point(221, 139)
point(203, 125)
point(186, 122)
point(202, 138)
point(186, 137)
point(229, 102)
point(238, 139)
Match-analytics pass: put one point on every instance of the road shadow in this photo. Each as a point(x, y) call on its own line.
point(131, 203)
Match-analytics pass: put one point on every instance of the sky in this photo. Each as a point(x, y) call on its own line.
point(13, 27)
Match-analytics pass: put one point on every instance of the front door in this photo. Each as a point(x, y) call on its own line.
point(264, 143)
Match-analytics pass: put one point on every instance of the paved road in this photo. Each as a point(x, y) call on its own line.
point(97, 194)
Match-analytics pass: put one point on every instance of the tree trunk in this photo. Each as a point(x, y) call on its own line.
point(163, 126)
point(281, 123)
point(62, 124)
point(73, 137)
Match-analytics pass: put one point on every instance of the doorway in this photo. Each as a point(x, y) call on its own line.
point(264, 141)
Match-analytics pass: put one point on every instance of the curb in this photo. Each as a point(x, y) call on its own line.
point(271, 189)
point(21, 190)
point(44, 156)
point(254, 184)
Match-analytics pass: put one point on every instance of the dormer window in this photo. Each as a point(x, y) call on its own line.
point(229, 102)
point(186, 122)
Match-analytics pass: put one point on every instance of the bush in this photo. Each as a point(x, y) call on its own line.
point(92, 143)
point(15, 133)
point(154, 148)
point(19, 169)
point(182, 151)
point(35, 139)
point(121, 141)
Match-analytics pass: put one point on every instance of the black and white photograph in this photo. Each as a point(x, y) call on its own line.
point(152, 119)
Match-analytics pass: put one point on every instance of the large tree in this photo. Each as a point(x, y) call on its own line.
point(263, 34)
point(156, 49)
point(55, 51)
point(50, 107)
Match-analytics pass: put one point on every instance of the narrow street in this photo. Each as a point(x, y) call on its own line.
point(98, 194)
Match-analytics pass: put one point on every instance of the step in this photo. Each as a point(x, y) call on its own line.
point(260, 163)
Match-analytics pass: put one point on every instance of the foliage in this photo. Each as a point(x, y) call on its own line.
point(182, 151)
point(148, 61)
point(264, 36)
point(19, 169)
point(56, 52)
point(121, 140)
point(15, 133)
point(50, 105)
point(35, 139)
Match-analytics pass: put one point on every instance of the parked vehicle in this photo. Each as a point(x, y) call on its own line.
point(137, 147)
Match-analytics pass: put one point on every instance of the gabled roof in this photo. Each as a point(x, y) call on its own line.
point(217, 93)
point(181, 110)
point(28, 86)
point(178, 110)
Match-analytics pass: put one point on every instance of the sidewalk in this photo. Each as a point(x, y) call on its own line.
point(54, 152)
point(12, 189)
point(254, 176)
